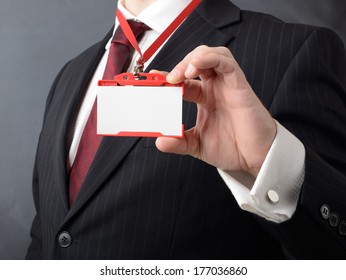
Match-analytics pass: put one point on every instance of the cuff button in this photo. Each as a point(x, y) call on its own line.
point(334, 220)
point(342, 228)
point(273, 197)
point(325, 211)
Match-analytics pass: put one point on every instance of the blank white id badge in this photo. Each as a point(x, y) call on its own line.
point(142, 107)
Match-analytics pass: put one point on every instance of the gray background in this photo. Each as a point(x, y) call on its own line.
point(36, 38)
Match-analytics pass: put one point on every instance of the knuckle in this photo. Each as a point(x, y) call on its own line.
point(202, 47)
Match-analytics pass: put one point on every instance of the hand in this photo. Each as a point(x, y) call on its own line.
point(233, 129)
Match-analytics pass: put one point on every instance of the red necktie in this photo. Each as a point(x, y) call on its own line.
point(118, 59)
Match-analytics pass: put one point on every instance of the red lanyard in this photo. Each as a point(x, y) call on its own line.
point(160, 40)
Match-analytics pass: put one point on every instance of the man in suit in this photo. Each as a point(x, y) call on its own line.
point(266, 173)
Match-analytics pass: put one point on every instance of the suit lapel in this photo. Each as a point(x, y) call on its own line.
point(78, 75)
point(207, 23)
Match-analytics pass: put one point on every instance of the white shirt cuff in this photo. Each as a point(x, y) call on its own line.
point(274, 194)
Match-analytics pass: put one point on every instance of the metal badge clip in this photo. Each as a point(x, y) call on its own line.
point(138, 69)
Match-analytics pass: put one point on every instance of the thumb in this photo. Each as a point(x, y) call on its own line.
point(188, 145)
point(154, 71)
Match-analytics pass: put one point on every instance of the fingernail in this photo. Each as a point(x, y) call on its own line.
point(173, 74)
point(190, 69)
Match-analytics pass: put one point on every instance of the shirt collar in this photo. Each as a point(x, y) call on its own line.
point(159, 15)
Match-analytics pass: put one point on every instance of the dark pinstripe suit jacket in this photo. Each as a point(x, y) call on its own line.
point(138, 203)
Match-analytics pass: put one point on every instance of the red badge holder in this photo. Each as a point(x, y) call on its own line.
point(142, 105)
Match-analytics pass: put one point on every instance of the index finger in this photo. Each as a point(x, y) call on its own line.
point(200, 59)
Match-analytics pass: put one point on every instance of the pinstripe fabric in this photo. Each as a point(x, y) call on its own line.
point(138, 203)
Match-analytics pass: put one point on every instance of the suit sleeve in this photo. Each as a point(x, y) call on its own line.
point(35, 248)
point(311, 103)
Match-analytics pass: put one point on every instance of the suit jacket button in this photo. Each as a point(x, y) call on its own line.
point(64, 239)
point(334, 219)
point(342, 228)
point(325, 211)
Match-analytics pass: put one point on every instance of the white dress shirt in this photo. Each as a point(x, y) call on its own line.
point(274, 194)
